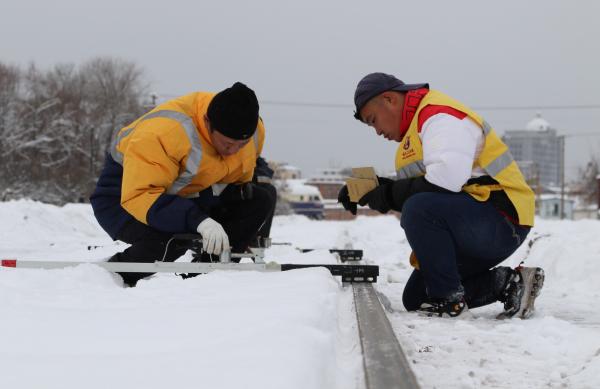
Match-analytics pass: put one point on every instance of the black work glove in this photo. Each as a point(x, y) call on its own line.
point(344, 199)
point(262, 172)
point(391, 194)
point(238, 192)
point(350, 206)
point(384, 180)
point(380, 198)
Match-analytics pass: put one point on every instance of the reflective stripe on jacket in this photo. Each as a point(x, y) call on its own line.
point(167, 158)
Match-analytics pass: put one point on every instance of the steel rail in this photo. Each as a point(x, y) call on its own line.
point(385, 364)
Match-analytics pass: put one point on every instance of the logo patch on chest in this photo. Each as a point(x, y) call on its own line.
point(408, 151)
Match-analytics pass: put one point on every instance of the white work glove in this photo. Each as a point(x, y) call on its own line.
point(214, 237)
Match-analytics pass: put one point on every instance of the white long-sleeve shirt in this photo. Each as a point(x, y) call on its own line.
point(450, 148)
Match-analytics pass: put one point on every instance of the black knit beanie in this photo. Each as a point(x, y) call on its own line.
point(234, 112)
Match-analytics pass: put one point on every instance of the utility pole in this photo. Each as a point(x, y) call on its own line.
point(562, 176)
point(538, 185)
point(598, 179)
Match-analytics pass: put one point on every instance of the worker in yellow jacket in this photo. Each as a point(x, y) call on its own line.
point(464, 202)
point(192, 164)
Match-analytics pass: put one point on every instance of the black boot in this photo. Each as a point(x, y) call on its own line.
point(203, 258)
point(452, 306)
point(129, 279)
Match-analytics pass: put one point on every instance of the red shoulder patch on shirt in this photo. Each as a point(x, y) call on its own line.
point(431, 110)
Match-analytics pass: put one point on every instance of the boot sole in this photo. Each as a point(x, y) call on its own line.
point(533, 280)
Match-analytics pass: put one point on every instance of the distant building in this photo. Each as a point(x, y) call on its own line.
point(537, 150)
point(328, 181)
point(303, 199)
point(285, 171)
point(549, 207)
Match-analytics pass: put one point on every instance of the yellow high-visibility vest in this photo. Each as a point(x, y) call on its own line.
point(495, 159)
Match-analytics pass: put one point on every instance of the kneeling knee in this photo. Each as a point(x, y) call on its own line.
point(414, 209)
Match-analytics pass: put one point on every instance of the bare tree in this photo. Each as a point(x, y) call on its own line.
point(116, 88)
point(10, 79)
point(62, 123)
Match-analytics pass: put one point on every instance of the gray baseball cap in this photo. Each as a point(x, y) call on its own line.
point(375, 83)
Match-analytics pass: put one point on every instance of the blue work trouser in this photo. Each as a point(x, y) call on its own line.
point(457, 240)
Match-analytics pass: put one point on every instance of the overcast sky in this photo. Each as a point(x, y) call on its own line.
point(487, 54)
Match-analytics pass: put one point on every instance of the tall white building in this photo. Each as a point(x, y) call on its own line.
point(537, 150)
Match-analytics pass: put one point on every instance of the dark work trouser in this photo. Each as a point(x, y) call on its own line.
point(457, 240)
point(242, 220)
point(265, 229)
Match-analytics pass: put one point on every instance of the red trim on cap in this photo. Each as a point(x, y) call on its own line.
point(432, 110)
point(9, 263)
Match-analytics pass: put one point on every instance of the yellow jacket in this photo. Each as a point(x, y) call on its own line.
point(168, 152)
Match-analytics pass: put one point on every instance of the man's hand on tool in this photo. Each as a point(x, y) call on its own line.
point(214, 237)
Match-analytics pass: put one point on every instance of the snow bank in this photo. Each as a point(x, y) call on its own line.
point(73, 329)
point(79, 328)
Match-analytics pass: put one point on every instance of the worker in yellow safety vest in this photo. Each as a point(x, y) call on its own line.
point(465, 206)
point(190, 165)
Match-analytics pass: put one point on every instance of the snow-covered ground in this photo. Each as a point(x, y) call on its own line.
point(79, 328)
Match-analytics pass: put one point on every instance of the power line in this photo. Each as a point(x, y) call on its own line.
point(536, 107)
point(307, 104)
point(480, 108)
